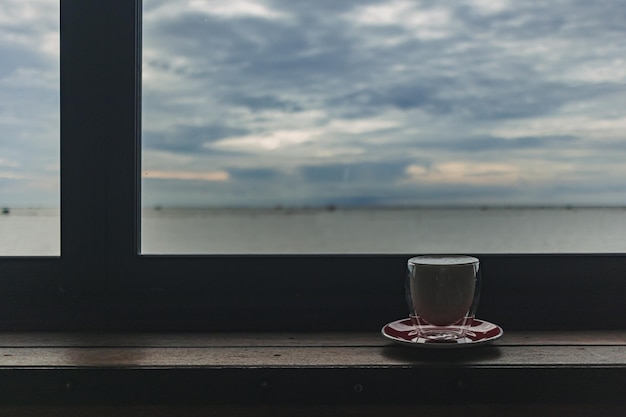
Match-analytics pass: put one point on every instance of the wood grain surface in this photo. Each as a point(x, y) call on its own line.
point(66, 350)
point(282, 373)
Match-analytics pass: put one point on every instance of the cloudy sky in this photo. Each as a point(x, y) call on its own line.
point(29, 103)
point(351, 102)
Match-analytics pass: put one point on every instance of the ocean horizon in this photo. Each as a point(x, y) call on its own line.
point(344, 230)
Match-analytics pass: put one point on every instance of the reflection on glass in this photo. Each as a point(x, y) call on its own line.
point(313, 127)
point(29, 128)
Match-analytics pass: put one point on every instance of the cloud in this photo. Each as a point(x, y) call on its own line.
point(269, 141)
point(185, 139)
point(462, 172)
point(267, 102)
point(500, 144)
point(7, 175)
point(158, 10)
point(360, 172)
point(421, 23)
point(187, 175)
point(255, 174)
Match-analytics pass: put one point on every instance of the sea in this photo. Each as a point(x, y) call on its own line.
point(337, 230)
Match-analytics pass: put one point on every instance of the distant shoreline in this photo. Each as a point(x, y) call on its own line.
point(331, 207)
point(55, 210)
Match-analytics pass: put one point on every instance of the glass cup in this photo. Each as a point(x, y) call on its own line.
point(442, 293)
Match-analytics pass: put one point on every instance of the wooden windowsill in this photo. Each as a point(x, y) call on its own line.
point(531, 369)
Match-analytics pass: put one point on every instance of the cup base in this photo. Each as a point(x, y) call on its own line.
point(434, 333)
point(442, 335)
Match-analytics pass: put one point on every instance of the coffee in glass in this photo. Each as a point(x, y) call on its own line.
point(442, 291)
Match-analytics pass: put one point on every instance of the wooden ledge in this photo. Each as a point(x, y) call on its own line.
point(287, 350)
point(586, 369)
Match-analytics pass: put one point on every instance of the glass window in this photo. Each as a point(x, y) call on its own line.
point(383, 127)
point(101, 282)
point(29, 127)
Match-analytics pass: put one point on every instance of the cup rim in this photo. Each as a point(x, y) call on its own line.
point(443, 260)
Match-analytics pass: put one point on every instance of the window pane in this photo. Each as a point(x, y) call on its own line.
point(383, 126)
point(29, 127)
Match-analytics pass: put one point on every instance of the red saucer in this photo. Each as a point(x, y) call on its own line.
point(403, 332)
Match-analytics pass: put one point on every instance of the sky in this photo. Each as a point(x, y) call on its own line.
point(353, 103)
point(29, 103)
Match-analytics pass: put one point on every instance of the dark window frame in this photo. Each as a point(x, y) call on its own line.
point(102, 282)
